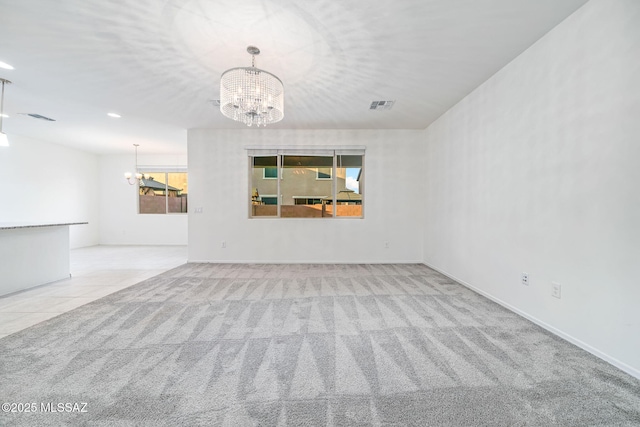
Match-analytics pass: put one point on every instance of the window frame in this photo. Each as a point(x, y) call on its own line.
point(166, 170)
point(334, 152)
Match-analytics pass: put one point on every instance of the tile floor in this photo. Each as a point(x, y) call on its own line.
point(96, 271)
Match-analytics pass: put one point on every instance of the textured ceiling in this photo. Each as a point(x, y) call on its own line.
point(158, 63)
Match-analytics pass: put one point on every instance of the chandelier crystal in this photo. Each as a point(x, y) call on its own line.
point(250, 95)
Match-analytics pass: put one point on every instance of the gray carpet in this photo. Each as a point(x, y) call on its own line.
point(306, 345)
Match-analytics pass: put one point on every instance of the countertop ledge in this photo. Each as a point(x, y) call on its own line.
point(14, 225)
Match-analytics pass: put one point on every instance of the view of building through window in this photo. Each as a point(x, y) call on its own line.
point(310, 186)
point(163, 192)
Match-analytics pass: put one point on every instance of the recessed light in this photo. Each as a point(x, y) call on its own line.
point(114, 115)
point(5, 66)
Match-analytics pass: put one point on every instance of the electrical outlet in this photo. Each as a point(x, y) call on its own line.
point(556, 290)
point(198, 210)
point(224, 244)
point(525, 279)
point(386, 245)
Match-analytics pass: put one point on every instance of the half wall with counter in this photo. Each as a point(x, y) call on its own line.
point(33, 254)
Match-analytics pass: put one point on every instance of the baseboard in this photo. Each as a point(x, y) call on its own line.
point(139, 244)
point(19, 291)
point(261, 261)
point(611, 360)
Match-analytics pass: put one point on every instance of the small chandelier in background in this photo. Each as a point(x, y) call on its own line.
point(138, 176)
point(250, 95)
point(4, 141)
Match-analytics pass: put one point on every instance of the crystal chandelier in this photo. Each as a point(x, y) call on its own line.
point(250, 95)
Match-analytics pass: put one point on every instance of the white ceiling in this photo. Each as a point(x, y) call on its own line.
point(158, 62)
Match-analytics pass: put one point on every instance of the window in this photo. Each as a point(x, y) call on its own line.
point(316, 183)
point(323, 173)
point(349, 197)
point(264, 192)
point(301, 177)
point(270, 200)
point(270, 173)
point(297, 200)
point(162, 192)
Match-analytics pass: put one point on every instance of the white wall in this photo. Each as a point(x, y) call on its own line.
point(120, 223)
point(218, 165)
point(44, 182)
point(537, 171)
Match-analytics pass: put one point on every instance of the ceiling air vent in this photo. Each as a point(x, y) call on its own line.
point(381, 105)
point(39, 116)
